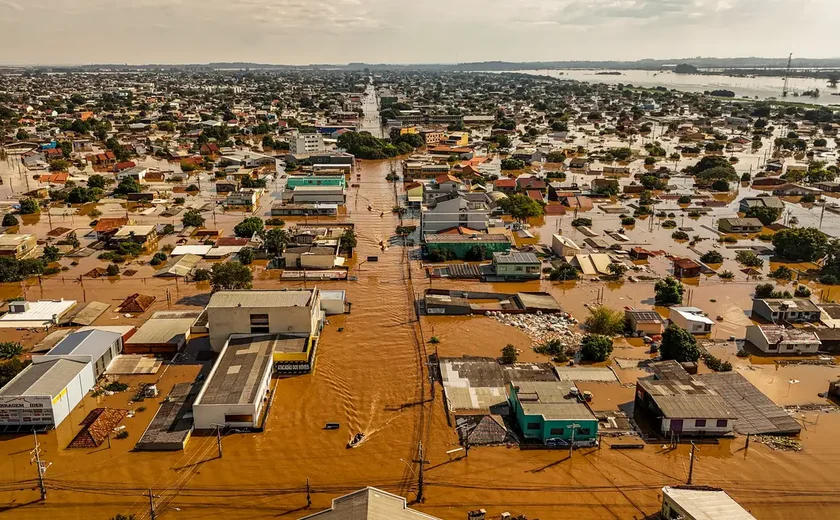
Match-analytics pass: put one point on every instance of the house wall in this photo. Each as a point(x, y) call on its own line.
point(67, 399)
point(460, 249)
point(550, 429)
point(755, 336)
point(315, 261)
point(690, 426)
point(518, 270)
point(563, 250)
point(691, 326)
point(298, 321)
point(648, 328)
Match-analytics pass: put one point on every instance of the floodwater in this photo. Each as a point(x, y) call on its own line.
point(371, 376)
point(761, 87)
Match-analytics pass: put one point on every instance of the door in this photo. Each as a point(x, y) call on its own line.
point(676, 425)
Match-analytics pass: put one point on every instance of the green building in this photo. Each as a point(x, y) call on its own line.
point(316, 180)
point(461, 245)
point(547, 410)
point(517, 266)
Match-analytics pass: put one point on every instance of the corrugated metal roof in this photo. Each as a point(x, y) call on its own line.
point(238, 372)
point(44, 378)
point(180, 266)
point(228, 299)
point(704, 504)
point(370, 504)
point(86, 343)
point(515, 258)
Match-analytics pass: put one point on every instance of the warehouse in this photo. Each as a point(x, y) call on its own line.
point(98, 347)
point(166, 332)
point(42, 313)
point(701, 503)
point(237, 385)
point(44, 393)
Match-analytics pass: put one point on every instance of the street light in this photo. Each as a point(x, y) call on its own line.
point(573, 426)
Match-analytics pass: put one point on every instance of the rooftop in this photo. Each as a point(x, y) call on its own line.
point(513, 257)
point(706, 503)
point(268, 298)
point(549, 399)
point(779, 334)
point(86, 343)
point(476, 237)
point(370, 504)
point(790, 304)
point(644, 316)
point(680, 396)
point(44, 378)
point(743, 222)
point(236, 376)
point(140, 231)
point(164, 327)
point(42, 310)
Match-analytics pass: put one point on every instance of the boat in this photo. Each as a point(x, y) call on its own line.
point(332, 426)
point(356, 440)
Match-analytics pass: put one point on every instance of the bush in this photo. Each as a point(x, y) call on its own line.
point(669, 224)
point(765, 237)
point(158, 259)
point(684, 199)
point(712, 257)
point(10, 220)
point(168, 229)
point(716, 364)
point(728, 239)
point(201, 275)
point(802, 292)
point(749, 259)
point(596, 347)
point(581, 221)
point(808, 199)
point(782, 273)
point(628, 221)
point(563, 273)
point(679, 235)
point(434, 340)
point(29, 207)
point(509, 354)
point(179, 200)
point(279, 222)
point(122, 434)
point(605, 321)
point(112, 270)
point(440, 255)
point(726, 275)
point(764, 290)
point(10, 349)
point(246, 256)
point(553, 348)
point(116, 386)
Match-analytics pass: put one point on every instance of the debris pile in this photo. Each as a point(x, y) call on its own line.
point(542, 327)
point(777, 442)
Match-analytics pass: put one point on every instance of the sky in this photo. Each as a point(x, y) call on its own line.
point(71, 32)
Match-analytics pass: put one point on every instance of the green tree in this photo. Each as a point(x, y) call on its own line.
point(521, 207)
point(563, 273)
point(764, 290)
point(512, 164)
point(509, 355)
point(96, 181)
point(596, 347)
point(230, 276)
point(749, 258)
point(246, 256)
point(765, 214)
point(668, 291)
point(603, 320)
point(10, 349)
point(112, 270)
point(678, 344)
point(22, 135)
point(348, 241)
point(711, 257)
point(10, 220)
point(128, 185)
point(248, 227)
point(782, 273)
point(192, 218)
point(275, 241)
point(29, 206)
point(800, 244)
point(616, 271)
point(51, 254)
point(556, 157)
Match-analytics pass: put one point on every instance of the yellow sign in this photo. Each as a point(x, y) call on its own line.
point(59, 396)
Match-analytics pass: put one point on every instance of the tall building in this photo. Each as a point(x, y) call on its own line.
point(308, 143)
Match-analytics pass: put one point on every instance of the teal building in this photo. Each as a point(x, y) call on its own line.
point(547, 410)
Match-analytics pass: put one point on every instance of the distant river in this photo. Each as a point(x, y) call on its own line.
point(758, 87)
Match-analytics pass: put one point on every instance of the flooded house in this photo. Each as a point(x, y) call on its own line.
point(740, 225)
point(564, 246)
point(691, 319)
point(18, 246)
point(513, 265)
point(674, 402)
point(776, 339)
point(763, 202)
point(791, 310)
point(461, 246)
point(639, 321)
point(369, 504)
point(455, 210)
point(700, 503)
point(143, 235)
point(686, 268)
point(550, 412)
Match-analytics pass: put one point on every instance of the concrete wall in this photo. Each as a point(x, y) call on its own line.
point(562, 250)
point(72, 394)
point(690, 427)
point(299, 321)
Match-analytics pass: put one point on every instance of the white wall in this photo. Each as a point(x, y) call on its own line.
point(299, 321)
point(690, 427)
point(76, 391)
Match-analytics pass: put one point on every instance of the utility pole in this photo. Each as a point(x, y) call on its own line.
point(691, 463)
point(152, 497)
point(573, 426)
point(422, 462)
point(308, 494)
point(42, 467)
point(219, 438)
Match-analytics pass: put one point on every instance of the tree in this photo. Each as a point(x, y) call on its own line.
point(275, 241)
point(765, 214)
point(669, 291)
point(711, 257)
point(521, 207)
point(749, 258)
point(168, 229)
point(509, 355)
point(10, 220)
point(764, 290)
point(230, 276)
point(802, 292)
point(800, 244)
point(720, 185)
point(685, 68)
point(652, 182)
point(10, 349)
point(563, 273)
point(128, 185)
point(29, 206)
point(51, 254)
point(555, 157)
point(603, 320)
point(22, 135)
point(96, 181)
point(73, 240)
point(112, 270)
point(616, 271)
point(59, 165)
point(348, 241)
point(248, 227)
point(512, 164)
point(782, 273)
point(246, 256)
point(596, 347)
point(192, 218)
point(678, 344)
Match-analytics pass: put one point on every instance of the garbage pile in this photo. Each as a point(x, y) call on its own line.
point(543, 327)
point(778, 442)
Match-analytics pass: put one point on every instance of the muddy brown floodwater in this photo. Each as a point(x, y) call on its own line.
point(372, 377)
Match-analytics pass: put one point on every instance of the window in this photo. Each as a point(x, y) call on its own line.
point(772, 347)
point(518, 268)
point(259, 324)
point(722, 423)
point(583, 431)
point(533, 426)
point(700, 423)
point(557, 431)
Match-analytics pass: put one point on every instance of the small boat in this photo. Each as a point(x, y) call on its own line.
point(356, 440)
point(331, 426)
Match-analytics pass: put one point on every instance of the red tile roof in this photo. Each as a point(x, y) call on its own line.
point(109, 224)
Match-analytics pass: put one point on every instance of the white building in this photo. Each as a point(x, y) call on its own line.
point(705, 503)
point(237, 387)
point(138, 173)
point(307, 143)
point(691, 319)
point(41, 313)
point(454, 212)
point(292, 313)
point(369, 504)
point(776, 339)
point(97, 347)
point(563, 246)
point(44, 393)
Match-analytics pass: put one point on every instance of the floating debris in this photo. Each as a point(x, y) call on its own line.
point(542, 327)
point(776, 442)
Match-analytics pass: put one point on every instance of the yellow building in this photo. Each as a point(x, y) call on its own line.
point(292, 350)
point(458, 139)
point(409, 130)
